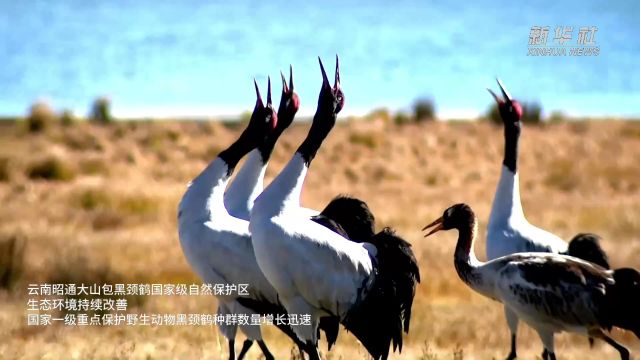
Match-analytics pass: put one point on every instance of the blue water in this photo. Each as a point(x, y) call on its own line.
point(164, 58)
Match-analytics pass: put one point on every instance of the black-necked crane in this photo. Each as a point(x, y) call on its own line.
point(239, 198)
point(348, 216)
point(550, 292)
point(369, 285)
point(218, 245)
point(508, 230)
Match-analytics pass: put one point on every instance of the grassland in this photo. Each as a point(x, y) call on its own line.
point(92, 202)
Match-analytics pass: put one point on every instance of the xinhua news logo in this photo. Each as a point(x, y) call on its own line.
point(564, 42)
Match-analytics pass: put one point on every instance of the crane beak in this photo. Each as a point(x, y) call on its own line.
point(495, 97)
point(285, 88)
point(291, 77)
point(325, 80)
point(273, 119)
point(336, 83)
point(269, 91)
point(259, 102)
point(437, 228)
point(504, 91)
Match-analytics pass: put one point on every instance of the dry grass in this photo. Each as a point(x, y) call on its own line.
point(5, 171)
point(50, 168)
point(119, 213)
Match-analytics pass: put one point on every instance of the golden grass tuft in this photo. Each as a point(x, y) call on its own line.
point(367, 139)
point(12, 249)
point(72, 267)
point(51, 169)
point(5, 170)
point(40, 117)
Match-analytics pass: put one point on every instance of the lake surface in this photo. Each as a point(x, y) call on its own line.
point(171, 58)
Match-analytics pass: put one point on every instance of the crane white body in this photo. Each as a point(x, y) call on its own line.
point(508, 230)
point(324, 273)
point(218, 245)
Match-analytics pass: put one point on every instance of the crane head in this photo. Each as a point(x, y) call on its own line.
point(289, 102)
point(331, 98)
point(455, 217)
point(510, 109)
point(264, 118)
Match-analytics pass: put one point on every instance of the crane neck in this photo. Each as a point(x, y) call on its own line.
point(465, 260)
point(511, 140)
point(323, 122)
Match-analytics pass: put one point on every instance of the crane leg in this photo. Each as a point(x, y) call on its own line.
point(265, 350)
point(547, 342)
point(512, 321)
point(232, 349)
point(512, 355)
point(624, 353)
point(245, 347)
point(312, 350)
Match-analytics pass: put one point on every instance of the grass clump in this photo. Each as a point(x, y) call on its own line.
point(5, 173)
point(12, 249)
point(94, 166)
point(67, 118)
point(137, 205)
point(379, 114)
point(366, 139)
point(401, 118)
point(113, 210)
point(51, 169)
point(106, 219)
point(92, 199)
point(77, 269)
point(81, 141)
point(40, 117)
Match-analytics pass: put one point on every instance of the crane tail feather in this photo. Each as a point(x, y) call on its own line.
point(623, 298)
point(379, 319)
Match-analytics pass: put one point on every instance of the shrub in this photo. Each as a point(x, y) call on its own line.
point(93, 199)
point(12, 249)
point(493, 114)
point(101, 110)
point(40, 117)
point(50, 169)
point(424, 110)
point(67, 118)
point(401, 118)
point(532, 113)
